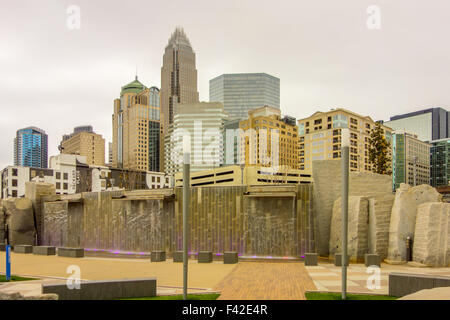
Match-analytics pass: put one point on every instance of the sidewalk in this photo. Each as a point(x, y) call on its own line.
point(327, 277)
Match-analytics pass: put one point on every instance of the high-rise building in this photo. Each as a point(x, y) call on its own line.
point(429, 124)
point(267, 139)
point(320, 138)
point(137, 129)
point(243, 92)
point(178, 75)
point(203, 122)
point(440, 163)
point(31, 148)
point(85, 142)
point(410, 159)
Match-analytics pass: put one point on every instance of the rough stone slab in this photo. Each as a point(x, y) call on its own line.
point(431, 244)
point(157, 256)
point(23, 249)
point(230, 257)
point(205, 257)
point(311, 259)
point(403, 217)
point(44, 250)
point(19, 220)
point(357, 237)
point(71, 252)
point(371, 259)
point(327, 189)
point(103, 290)
point(178, 256)
point(338, 259)
point(401, 284)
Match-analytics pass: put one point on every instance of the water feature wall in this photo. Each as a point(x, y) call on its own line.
point(255, 221)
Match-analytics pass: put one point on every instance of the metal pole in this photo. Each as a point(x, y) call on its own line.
point(186, 198)
point(8, 263)
point(345, 142)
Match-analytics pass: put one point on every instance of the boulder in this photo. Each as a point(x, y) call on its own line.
point(20, 221)
point(358, 214)
point(35, 191)
point(403, 217)
point(431, 244)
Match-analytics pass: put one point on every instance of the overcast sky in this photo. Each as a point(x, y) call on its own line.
point(322, 51)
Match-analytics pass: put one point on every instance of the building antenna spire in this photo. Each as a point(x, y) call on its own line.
point(136, 73)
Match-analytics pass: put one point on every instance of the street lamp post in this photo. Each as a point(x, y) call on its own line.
point(345, 144)
point(186, 198)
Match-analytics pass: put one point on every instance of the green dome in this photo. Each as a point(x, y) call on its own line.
point(133, 87)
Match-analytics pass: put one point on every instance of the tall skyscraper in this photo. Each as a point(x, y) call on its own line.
point(243, 92)
point(440, 163)
point(137, 128)
point(31, 148)
point(428, 124)
point(178, 75)
point(85, 142)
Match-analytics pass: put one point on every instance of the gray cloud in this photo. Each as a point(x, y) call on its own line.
point(322, 51)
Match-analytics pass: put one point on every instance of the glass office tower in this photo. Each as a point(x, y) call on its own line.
point(31, 148)
point(242, 92)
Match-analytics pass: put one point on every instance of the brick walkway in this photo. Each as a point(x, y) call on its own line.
point(266, 281)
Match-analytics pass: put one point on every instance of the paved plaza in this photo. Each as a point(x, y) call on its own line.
point(243, 281)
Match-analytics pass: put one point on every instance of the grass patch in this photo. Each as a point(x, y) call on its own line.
point(14, 278)
point(211, 296)
point(337, 296)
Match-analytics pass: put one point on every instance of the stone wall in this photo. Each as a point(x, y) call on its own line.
point(432, 234)
point(327, 189)
point(263, 221)
point(358, 217)
point(403, 217)
point(19, 218)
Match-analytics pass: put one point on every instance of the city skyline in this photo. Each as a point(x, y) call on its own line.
point(84, 70)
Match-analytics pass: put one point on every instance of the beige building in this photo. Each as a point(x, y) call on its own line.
point(85, 142)
point(178, 75)
point(137, 129)
point(320, 138)
point(245, 175)
point(268, 139)
point(411, 159)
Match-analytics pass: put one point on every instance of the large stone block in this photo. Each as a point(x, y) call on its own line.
point(371, 259)
point(403, 217)
point(357, 244)
point(230, 257)
point(177, 256)
point(338, 259)
point(35, 191)
point(23, 249)
point(44, 250)
point(20, 221)
point(401, 284)
point(431, 244)
point(104, 290)
point(205, 257)
point(379, 217)
point(311, 259)
point(327, 189)
point(71, 252)
point(158, 256)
